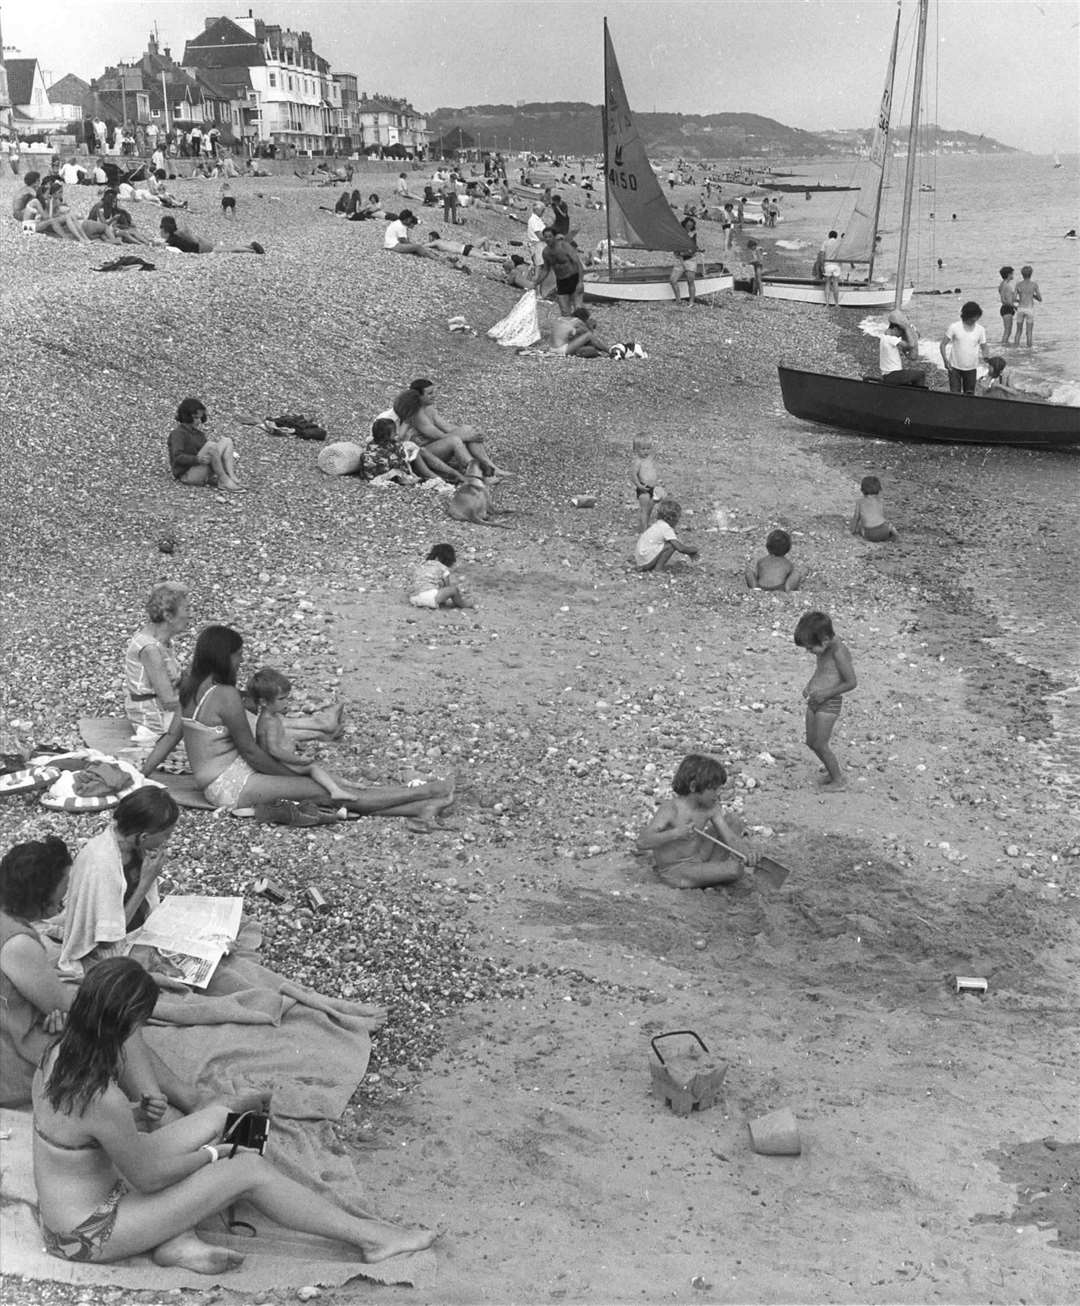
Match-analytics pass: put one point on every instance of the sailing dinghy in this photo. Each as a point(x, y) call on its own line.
point(909, 412)
point(859, 241)
point(638, 215)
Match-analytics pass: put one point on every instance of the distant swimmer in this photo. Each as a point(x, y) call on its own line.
point(1071, 234)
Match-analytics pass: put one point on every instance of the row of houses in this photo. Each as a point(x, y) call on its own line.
point(260, 84)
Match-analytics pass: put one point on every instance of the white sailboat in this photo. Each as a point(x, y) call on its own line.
point(638, 215)
point(858, 244)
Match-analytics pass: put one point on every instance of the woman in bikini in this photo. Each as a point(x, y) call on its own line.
point(106, 1191)
point(230, 767)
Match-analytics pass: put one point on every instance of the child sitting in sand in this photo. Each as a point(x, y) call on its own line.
point(775, 571)
point(269, 691)
point(658, 542)
point(683, 835)
point(432, 586)
point(868, 519)
point(645, 477)
point(833, 676)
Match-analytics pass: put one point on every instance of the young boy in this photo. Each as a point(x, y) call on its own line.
point(658, 542)
point(968, 341)
point(645, 478)
point(432, 586)
point(678, 835)
point(1007, 295)
point(754, 251)
point(269, 690)
point(775, 571)
point(833, 676)
point(868, 519)
point(228, 201)
point(1027, 293)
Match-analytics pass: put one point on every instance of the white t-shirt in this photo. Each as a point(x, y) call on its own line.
point(889, 356)
point(69, 174)
point(395, 233)
point(651, 541)
point(534, 228)
point(965, 345)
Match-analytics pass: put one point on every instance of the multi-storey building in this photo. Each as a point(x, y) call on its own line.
point(290, 97)
point(386, 122)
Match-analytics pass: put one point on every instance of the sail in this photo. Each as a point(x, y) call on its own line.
point(860, 234)
point(639, 217)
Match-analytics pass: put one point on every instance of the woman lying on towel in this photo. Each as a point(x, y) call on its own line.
point(231, 768)
point(106, 1192)
point(33, 1000)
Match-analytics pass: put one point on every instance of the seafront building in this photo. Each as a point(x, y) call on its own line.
point(259, 83)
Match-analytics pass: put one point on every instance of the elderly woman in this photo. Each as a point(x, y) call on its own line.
point(34, 1001)
point(85, 1140)
point(151, 672)
point(420, 421)
point(231, 768)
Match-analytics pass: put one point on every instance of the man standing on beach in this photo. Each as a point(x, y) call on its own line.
point(1007, 294)
point(561, 258)
point(830, 267)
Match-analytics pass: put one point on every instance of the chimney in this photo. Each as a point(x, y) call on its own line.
point(208, 23)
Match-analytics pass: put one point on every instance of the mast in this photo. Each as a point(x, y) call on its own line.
point(607, 161)
point(909, 173)
point(884, 128)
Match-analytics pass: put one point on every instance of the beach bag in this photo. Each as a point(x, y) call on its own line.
point(341, 458)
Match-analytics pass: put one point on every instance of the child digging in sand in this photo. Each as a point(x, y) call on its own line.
point(269, 690)
point(658, 542)
point(833, 677)
point(682, 835)
point(868, 520)
point(775, 571)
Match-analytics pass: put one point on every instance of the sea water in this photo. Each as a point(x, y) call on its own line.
point(1010, 209)
point(1022, 556)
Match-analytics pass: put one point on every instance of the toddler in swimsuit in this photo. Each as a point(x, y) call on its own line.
point(269, 690)
point(432, 585)
point(644, 474)
point(868, 519)
point(775, 571)
point(833, 676)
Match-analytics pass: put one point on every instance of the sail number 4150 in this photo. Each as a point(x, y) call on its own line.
point(623, 180)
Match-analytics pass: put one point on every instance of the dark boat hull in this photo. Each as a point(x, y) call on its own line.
point(909, 413)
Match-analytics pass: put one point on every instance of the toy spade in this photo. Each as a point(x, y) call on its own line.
point(774, 873)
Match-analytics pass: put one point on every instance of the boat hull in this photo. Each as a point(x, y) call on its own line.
point(807, 291)
point(651, 284)
point(911, 413)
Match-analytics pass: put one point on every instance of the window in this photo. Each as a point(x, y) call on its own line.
point(273, 79)
point(289, 80)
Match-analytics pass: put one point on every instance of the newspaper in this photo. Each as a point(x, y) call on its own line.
point(192, 933)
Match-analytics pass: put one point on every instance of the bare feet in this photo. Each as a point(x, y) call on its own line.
point(829, 785)
point(392, 1241)
point(191, 1253)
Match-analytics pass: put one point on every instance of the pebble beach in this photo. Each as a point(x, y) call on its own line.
point(525, 954)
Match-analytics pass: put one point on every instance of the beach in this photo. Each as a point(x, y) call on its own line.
point(526, 954)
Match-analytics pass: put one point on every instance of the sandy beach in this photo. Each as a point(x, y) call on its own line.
point(526, 954)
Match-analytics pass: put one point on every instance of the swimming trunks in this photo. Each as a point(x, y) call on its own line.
point(831, 706)
point(567, 285)
point(225, 791)
point(877, 534)
point(88, 1238)
point(1007, 310)
point(650, 490)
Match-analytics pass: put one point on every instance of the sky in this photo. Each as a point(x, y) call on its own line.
point(1009, 69)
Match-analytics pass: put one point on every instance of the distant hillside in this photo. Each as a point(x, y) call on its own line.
point(573, 128)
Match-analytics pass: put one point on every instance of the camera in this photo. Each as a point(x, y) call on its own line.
point(247, 1129)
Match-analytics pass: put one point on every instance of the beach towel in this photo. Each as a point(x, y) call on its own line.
point(520, 327)
point(276, 1258)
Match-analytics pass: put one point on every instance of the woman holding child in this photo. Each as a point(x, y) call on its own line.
point(234, 771)
point(106, 1191)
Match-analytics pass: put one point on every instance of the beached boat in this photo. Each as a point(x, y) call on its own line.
point(897, 412)
point(858, 244)
point(638, 215)
point(909, 412)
